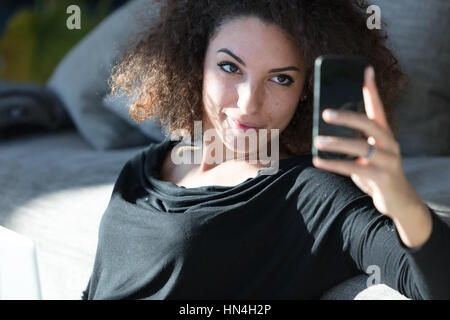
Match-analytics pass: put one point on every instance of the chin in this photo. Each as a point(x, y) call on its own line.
point(240, 142)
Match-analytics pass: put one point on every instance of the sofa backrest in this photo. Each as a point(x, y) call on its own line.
point(419, 34)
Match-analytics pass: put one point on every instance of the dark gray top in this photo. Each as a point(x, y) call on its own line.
point(291, 235)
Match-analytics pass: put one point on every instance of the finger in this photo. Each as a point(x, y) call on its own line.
point(372, 101)
point(365, 125)
point(353, 147)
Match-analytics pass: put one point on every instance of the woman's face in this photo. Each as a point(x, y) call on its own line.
point(242, 79)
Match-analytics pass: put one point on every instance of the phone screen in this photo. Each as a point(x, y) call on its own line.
point(338, 83)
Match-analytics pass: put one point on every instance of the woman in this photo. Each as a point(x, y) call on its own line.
point(223, 229)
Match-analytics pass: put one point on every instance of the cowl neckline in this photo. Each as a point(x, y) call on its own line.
point(170, 197)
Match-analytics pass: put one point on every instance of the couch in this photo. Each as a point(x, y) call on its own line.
point(56, 185)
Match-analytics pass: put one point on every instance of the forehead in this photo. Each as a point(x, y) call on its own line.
point(251, 38)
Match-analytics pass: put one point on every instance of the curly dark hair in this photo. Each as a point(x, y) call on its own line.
point(163, 71)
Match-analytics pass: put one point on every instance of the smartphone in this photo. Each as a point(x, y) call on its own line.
point(338, 84)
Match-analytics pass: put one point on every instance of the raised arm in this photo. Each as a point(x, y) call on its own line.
point(374, 244)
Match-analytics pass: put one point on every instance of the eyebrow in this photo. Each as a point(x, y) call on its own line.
point(227, 51)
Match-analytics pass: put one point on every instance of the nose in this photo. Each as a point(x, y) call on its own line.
point(249, 97)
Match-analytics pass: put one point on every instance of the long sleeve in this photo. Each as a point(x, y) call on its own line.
point(291, 235)
point(374, 245)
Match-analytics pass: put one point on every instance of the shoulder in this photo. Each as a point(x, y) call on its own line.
point(143, 162)
point(312, 178)
point(317, 188)
point(329, 202)
point(304, 176)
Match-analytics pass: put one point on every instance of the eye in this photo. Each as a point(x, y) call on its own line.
point(285, 80)
point(226, 66)
point(230, 67)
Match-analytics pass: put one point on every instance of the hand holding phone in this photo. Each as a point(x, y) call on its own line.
point(338, 84)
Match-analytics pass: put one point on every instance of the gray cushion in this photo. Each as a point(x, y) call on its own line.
point(81, 79)
point(419, 32)
point(58, 188)
point(120, 106)
point(430, 178)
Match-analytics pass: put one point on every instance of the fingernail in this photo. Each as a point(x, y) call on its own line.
point(370, 73)
point(330, 114)
point(322, 140)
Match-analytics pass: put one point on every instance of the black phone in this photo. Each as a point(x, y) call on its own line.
point(338, 84)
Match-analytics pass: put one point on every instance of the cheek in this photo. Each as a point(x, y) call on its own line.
point(216, 92)
point(282, 111)
point(218, 96)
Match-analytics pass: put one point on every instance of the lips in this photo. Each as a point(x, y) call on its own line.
point(245, 125)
